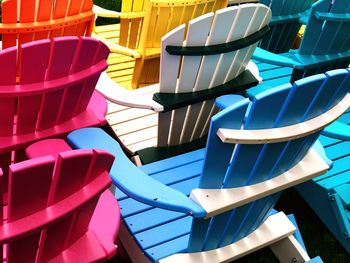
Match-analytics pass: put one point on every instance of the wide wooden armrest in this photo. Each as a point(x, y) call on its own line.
point(102, 12)
point(216, 201)
point(337, 130)
point(113, 47)
point(275, 20)
point(130, 179)
point(130, 98)
point(271, 58)
point(285, 133)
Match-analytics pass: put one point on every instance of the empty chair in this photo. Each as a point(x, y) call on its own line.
point(215, 60)
point(28, 20)
point(284, 23)
point(254, 150)
point(133, 67)
point(59, 208)
point(48, 91)
point(325, 44)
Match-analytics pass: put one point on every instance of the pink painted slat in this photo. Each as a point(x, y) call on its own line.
point(61, 57)
point(55, 238)
point(103, 162)
point(71, 169)
point(87, 49)
point(89, 87)
point(7, 77)
point(83, 217)
point(34, 60)
point(33, 63)
point(2, 190)
point(70, 102)
point(24, 249)
point(50, 105)
point(44, 14)
point(29, 184)
point(9, 15)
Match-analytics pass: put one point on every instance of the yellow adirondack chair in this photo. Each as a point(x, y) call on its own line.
point(133, 67)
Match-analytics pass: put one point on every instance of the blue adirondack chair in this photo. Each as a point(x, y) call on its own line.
point(325, 44)
point(284, 25)
point(254, 150)
point(329, 195)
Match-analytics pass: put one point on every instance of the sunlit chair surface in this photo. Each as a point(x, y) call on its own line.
point(284, 23)
point(135, 67)
point(329, 195)
point(215, 60)
point(254, 150)
point(28, 20)
point(59, 208)
point(49, 90)
point(325, 44)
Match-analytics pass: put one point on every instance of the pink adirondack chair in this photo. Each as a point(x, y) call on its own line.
point(47, 89)
point(59, 208)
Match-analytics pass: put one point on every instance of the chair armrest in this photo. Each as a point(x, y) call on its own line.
point(130, 179)
point(130, 98)
point(337, 130)
point(101, 12)
point(113, 47)
point(271, 58)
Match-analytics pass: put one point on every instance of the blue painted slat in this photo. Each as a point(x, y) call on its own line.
point(313, 28)
point(334, 181)
point(198, 233)
point(276, 73)
point(299, 99)
point(342, 90)
point(151, 218)
point(163, 233)
point(339, 166)
point(216, 229)
point(173, 162)
point(266, 85)
point(327, 141)
point(338, 150)
point(215, 165)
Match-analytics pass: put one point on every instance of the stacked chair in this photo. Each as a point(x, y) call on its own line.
point(137, 63)
point(213, 204)
point(214, 61)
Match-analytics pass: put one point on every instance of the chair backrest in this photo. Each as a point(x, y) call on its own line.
point(197, 72)
point(284, 23)
point(50, 203)
point(131, 22)
point(231, 165)
point(328, 28)
point(28, 20)
point(55, 81)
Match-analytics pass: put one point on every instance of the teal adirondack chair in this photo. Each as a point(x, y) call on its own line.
point(329, 195)
point(284, 23)
point(325, 44)
point(254, 150)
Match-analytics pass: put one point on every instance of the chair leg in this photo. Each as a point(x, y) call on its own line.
point(289, 250)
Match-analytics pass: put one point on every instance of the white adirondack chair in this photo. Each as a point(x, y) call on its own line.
point(212, 60)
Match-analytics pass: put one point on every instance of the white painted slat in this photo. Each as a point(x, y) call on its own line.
point(127, 115)
point(164, 122)
point(205, 112)
point(139, 136)
point(190, 122)
point(136, 124)
point(218, 35)
point(170, 64)
point(142, 145)
point(197, 34)
point(261, 17)
point(244, 17)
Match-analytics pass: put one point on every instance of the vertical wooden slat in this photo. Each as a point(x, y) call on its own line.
point(27, 14)
point(24, 200)
point(71, 169)
point(59, 11)
point(61, 58)
point(44, 14)
point(9, 15)
point(34, 60)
